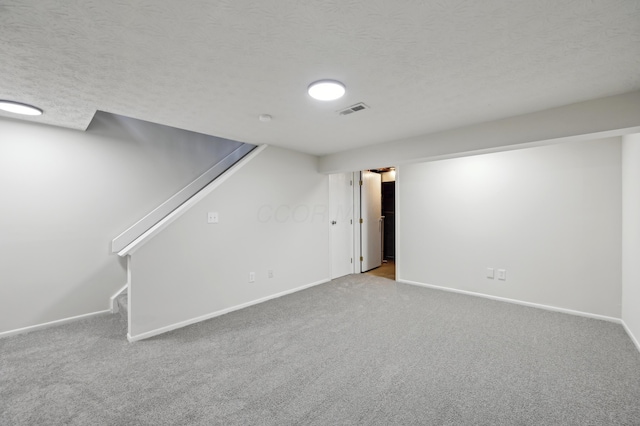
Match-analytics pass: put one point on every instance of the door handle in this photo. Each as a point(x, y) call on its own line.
point(333, 222)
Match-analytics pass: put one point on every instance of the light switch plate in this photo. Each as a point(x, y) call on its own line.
point(490, 273)
point(212, 217)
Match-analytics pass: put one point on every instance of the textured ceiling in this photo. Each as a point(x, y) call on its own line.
point(214, 66)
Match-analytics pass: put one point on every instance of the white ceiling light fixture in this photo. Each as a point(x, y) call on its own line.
point(19, 108)
point(326, 90)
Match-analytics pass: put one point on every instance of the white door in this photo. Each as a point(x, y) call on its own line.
point(371, 224)
point(341, 223)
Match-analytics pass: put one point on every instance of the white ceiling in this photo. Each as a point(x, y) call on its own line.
point(214, 66)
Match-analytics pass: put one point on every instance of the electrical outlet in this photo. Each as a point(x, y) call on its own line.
point(270, 273)
point(252, 277)
point(502, 274)
point(490, 273)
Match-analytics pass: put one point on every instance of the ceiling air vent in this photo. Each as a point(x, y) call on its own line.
point(353, 108)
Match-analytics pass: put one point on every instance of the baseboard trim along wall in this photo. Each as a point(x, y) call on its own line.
point(219, 313)
point(633, 338)
point(52, 323)
point(515, 301)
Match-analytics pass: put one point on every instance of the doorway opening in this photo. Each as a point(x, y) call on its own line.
point(362, 221)
point(377, 202)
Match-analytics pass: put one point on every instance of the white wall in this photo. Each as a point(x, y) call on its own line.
point(273, 214)
point(631, 235)
point(66, 194)
point(550, 216)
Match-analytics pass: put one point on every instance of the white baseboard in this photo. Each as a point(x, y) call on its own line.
point(112, 300)
point(181, 324)
point(51, 324)
point(515, 301)
point(633, 338)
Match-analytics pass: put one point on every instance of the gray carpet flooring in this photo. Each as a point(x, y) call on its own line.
point(360, 350)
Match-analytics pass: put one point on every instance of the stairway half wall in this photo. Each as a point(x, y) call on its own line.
point(272, 216)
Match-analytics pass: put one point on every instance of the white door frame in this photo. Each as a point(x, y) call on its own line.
point(398, 256)
point(356, 269)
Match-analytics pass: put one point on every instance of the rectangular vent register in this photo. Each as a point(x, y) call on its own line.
point(353, 108)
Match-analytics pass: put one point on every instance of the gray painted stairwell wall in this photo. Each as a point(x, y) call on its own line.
point(66, 194)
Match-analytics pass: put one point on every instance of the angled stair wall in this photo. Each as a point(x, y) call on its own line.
point(273, 217)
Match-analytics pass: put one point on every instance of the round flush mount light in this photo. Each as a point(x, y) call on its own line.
point(265, 118)
point(19, 108)
point(326, 90)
